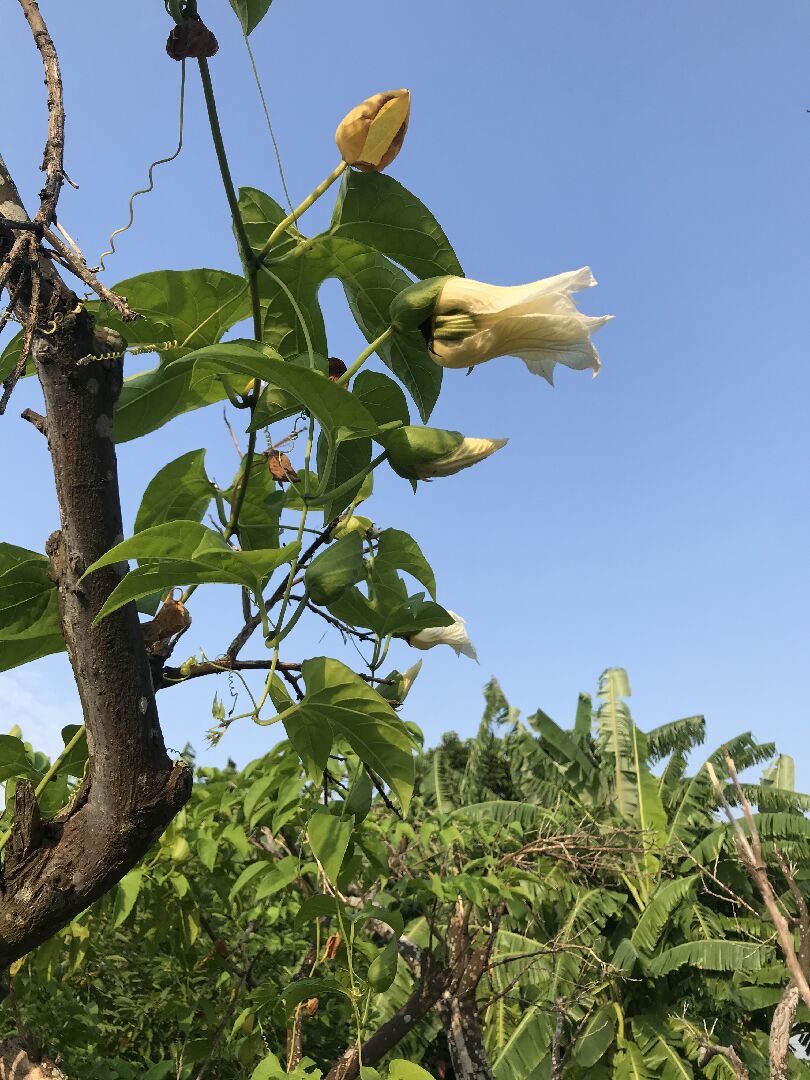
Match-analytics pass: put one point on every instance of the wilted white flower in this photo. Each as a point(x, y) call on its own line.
point(455, 635)
point(469, 322)
point(371, 135)
point(469, 452)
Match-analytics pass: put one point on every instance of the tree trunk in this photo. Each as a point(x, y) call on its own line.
point(781, 1025)
point(53, 870)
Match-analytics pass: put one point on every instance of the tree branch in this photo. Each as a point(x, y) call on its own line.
point(750, 852)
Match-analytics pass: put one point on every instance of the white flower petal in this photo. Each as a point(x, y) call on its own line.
point(539, 322)
point(468, 452)
point(455, 636)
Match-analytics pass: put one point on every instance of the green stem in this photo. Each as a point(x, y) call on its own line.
point(343, 488)
point(364, 355)
point(49, 775)
point(290, 219)
point(248, 262)
point(222, 160)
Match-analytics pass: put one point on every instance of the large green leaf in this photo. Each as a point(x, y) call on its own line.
point(381, 396)
point(379, 212)
point(329, 575)
point(250, 13)
point(329, 837)
point(29, 613)
point(261, 507)
point(358, 715)
point(655, 916)
point(711, 955)
point(151, 399)
point(371, 282)
point(191, 308)
point(625, 746)
point(399, 550)
point(187, 553)
point(24, 650)
point(340, 413)
point(180, 490)
point(528, 1046)
point(597, 1035)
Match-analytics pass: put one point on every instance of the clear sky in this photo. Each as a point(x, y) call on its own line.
point(655, 518)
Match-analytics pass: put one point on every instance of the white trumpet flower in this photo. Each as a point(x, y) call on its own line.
point(468, 322)
point(455, 635)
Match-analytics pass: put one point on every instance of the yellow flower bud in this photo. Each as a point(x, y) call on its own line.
point(371, 135)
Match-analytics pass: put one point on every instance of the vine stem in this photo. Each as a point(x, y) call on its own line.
point(290, 219)
point(49, 775)
point(364, 355)
point(251, 269)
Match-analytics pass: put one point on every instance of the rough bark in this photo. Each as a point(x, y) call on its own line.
point(781, 1026)
point(55, 869)
point(458, 1008)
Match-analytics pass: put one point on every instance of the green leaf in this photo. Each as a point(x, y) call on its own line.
point(656, 915)
point(29, 612)
point(268, 1069)
point(250, 13)
point(126, 894)
point(151, 399)
point(356, 713)
point(381, 396)
point(382, 214)
point(400, 1069)
point(185, 553)
point(371, 282)
point(383, 968)
point(350, 462)
point(279, 876)
point(329, 837)
point(329, 575)
point(181, 490)
point(24, 650)
point(314, 907)
point(337, 411)
point(399, 550)
point(311, 735)
point(711, 955)
point(303, 989)
point(782, 774)
point(596, 1037)
point(14, 760)
point(190, 307)
point(261, 508)
point(27, 600)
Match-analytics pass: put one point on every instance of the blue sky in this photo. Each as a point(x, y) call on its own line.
point(655, 518)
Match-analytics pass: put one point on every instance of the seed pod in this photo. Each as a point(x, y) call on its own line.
point(191, 40)
point(171, 620)
point(336, 368)
point(281, 468)
point(311, 1007)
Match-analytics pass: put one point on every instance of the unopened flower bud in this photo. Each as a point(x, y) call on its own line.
point(371, 135)
point(455, 635)
point(420, 453)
